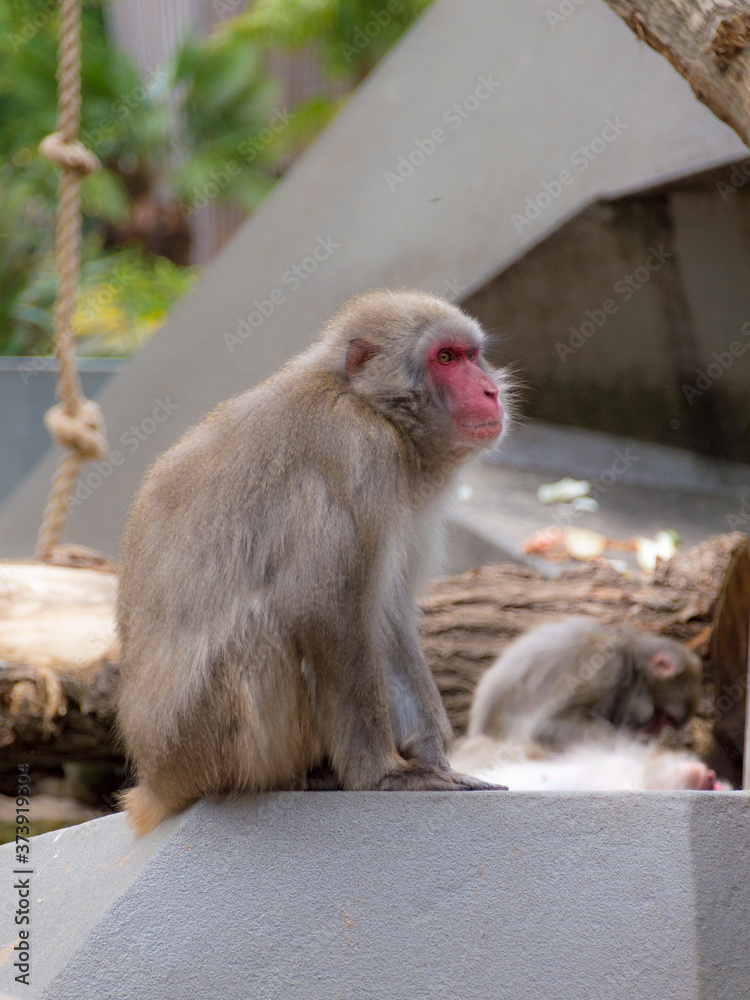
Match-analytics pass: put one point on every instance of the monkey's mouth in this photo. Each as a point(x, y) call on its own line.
point(486, 429)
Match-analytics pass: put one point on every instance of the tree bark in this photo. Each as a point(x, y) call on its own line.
point(707, 42)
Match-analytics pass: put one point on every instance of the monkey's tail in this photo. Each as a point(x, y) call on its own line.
point(146, 810)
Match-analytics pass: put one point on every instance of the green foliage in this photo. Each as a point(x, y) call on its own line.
point(123, 297)
point(117, 113)
point(209, 126)
point(25, 238)
point(119, 121)
point(350, 36)
point(228, 103)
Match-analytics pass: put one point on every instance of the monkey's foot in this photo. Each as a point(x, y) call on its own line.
point(698, 777)
point(417, 778)
point(691, 775)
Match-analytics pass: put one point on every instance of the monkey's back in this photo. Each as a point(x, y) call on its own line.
point(559, 663)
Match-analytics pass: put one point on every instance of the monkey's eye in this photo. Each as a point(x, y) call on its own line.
point(445, 356)
point(472, 354)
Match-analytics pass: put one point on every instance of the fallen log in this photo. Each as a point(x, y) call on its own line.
point(58, 650)
point(58, 660)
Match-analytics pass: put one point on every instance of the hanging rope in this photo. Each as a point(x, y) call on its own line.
point(75, 422)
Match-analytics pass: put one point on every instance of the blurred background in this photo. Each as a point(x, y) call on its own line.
point(185, 102)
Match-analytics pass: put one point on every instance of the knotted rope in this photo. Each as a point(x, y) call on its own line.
point(75, 422)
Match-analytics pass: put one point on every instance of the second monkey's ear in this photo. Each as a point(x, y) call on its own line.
point(665, 664)
point(358, 352)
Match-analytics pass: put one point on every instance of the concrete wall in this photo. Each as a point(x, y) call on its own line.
point(27, 390)
point(671, 266)
point(371, 896)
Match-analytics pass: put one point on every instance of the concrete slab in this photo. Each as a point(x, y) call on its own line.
point(502, 511)
point(642, 488)
point(587, 454)
point(481, 108)
point(513, 896)
point(616, 320)
point(27, 390)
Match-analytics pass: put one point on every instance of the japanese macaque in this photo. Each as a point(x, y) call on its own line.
point(577, 680)
point(271, 559)
point(610, 764)
point(567, 706)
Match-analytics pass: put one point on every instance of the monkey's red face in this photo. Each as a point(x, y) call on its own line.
point(472, 397)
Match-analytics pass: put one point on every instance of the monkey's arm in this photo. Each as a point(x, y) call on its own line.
point(353, 701)
point(383, 723)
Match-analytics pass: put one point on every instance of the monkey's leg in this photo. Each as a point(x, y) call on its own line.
point(248, 730)
point(423, 732)
point(254, 724)
point(352, 701)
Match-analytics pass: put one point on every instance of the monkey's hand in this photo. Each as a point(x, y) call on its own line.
point(415, 777)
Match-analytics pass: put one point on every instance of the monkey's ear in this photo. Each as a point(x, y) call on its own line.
point(665, 664)
point(358, 352)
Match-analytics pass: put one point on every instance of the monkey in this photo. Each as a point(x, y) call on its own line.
point(270, 561)
point(606, 764)
point(574, 679)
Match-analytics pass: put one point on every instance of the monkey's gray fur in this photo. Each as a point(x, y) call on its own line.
point(575, 679)
point(269, 568)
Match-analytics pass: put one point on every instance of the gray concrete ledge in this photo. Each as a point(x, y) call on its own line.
point(583, 453)
point(509, 896)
